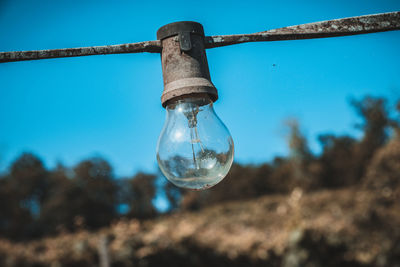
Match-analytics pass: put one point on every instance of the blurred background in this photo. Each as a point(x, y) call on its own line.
point(316, 126)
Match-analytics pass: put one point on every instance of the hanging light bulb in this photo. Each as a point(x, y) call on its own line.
point(195, 149)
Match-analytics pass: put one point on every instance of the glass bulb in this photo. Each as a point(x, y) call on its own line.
point(195, 149)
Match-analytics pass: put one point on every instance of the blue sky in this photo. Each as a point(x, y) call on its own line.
point(65, 110)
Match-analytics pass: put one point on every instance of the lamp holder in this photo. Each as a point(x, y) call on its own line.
point(184, 62)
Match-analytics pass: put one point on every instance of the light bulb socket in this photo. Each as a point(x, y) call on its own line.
point(184, 62)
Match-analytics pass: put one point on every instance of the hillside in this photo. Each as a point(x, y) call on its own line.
point(352, 226)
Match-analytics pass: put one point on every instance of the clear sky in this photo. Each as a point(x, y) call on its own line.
point(65, 110)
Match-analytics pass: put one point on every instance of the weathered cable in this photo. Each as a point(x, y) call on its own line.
point(330, 28)
point(148, 46)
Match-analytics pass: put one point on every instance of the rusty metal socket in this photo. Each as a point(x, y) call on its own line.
point(184, 62)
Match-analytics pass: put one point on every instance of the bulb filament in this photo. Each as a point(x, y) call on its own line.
point(194, 135)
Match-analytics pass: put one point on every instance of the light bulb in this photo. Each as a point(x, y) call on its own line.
point(195, 149)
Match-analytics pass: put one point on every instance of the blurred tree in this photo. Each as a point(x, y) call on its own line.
point(374, 114)
point(29, 181)
point(300, 157)
point(396, 121)
point(96, 191)
point(337, 164)
point(23, 191)
point(298, 145)
point(173, 194)
point(344, 160)
point(141, 194)
point(242, 182)
point(60, 210)
point(83, 197)
point(15, 219)
point(239, 181)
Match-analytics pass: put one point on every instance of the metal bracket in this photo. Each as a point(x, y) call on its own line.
point(184, 41)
